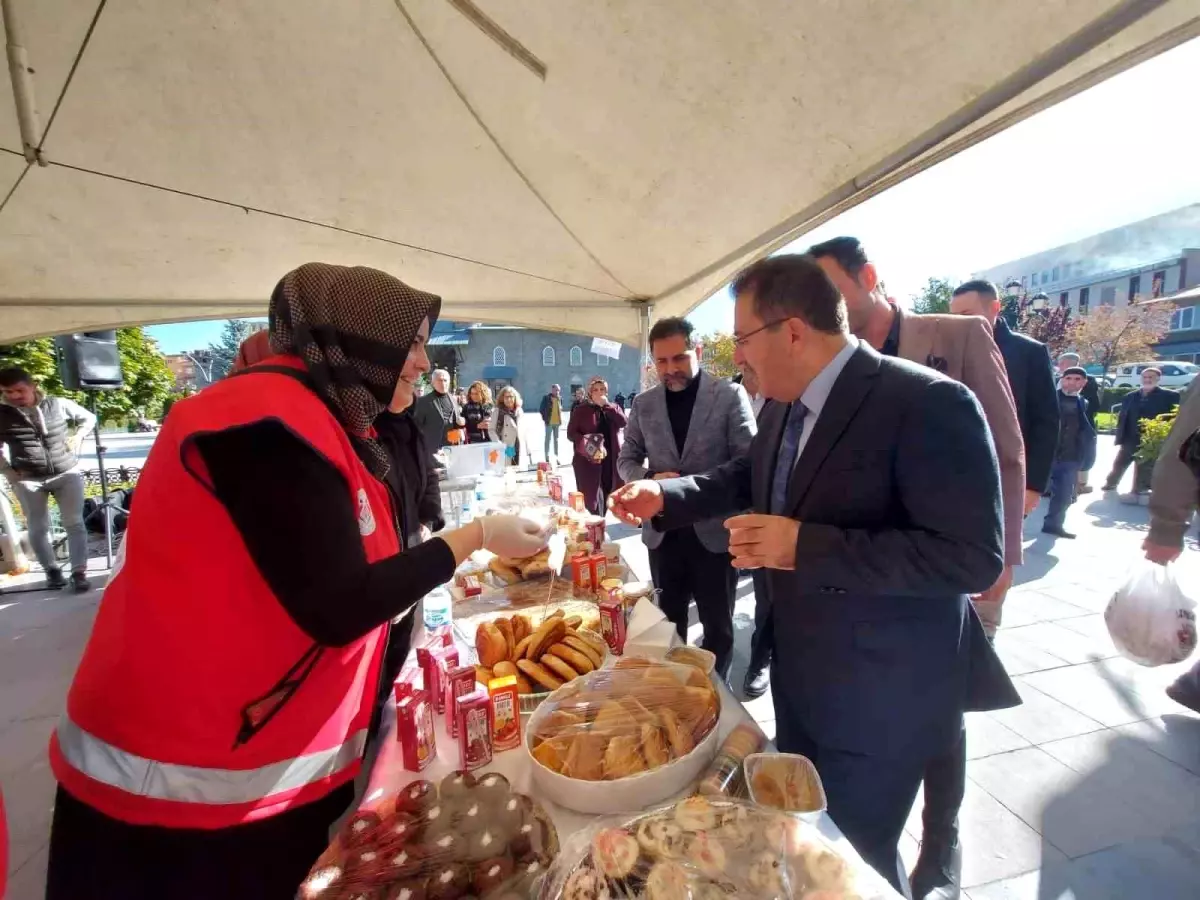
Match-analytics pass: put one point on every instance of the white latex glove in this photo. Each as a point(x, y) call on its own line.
point(513, 536)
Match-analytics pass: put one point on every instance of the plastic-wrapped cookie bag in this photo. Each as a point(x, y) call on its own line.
point(470, 836)
point(704, 848)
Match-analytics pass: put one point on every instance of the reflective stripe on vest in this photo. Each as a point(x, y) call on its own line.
point(194, 784)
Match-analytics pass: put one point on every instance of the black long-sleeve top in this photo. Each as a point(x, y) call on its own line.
point(299, 523)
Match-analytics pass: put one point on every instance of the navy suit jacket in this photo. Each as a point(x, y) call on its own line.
point(898, 492)
point(1031, 377)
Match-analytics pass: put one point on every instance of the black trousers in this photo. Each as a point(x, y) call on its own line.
point(94, 856)
point(869, 796)
point(684, 570)
point(945, 787)
point(761, 640)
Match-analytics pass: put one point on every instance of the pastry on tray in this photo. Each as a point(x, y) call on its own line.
point(542, 658)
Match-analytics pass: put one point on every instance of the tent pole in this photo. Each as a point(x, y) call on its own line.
point(22, 84)
point(645, 311)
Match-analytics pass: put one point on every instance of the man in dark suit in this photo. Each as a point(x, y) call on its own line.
point(690, 422)
point(1091, 396)
point(1148, 403)
point(877, 512)
point(1031, 377)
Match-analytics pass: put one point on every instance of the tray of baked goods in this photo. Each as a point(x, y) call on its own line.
point(702, 848)
point(542, 649)
point(465, 837)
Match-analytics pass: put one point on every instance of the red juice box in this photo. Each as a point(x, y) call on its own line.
point(581, 572)
point(506, 713)
point(612, 623)
point(409, 680)
point(595, 530)
point(414, 729)
point(474, 730)
point(554, 483)
point(444, 659)
point(459, 681)
point(598, 566)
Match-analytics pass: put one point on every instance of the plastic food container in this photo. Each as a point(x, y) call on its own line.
point(779, 775)
point(704, 660)
point(625, 794)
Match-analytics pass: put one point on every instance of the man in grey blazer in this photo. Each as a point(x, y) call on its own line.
point(688, 424)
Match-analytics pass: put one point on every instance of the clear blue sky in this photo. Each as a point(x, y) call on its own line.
point(1125, 150)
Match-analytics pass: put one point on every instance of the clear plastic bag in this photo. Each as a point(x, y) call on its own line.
point(1150, 619)
point(467, 836)
point(621, 722)
point(704, 848)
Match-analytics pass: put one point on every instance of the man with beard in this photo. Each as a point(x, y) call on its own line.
point(690, 423)
point(962, 348)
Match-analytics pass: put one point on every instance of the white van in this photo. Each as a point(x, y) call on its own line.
point(1175, 375)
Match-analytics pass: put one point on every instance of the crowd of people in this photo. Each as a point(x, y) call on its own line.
point(307, 483)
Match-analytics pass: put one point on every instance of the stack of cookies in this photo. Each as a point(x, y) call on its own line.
point(702, 849)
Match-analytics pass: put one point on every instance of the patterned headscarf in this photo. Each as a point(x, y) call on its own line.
point(352, 327)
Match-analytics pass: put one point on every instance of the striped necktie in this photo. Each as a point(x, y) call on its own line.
point(786, 461)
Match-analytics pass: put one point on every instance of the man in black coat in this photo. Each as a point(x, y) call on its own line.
point(877, 511)
point(1031, 377)
point(1148, 403)
point(438, 413)
point(1091, 396)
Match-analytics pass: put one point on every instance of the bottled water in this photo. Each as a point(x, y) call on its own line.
point(437, 607)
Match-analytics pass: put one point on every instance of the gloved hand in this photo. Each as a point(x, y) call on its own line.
point(513, 536)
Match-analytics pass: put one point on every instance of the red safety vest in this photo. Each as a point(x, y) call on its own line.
point(189, 635)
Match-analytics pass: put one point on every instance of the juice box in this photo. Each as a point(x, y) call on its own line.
point(506, 713)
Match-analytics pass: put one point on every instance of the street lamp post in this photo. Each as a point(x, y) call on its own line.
point(207, 373)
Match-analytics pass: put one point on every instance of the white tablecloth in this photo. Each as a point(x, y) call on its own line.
point(388, 774)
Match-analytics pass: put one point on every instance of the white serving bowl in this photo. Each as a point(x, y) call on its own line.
point(623, 794)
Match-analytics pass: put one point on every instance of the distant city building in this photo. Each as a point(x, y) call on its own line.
point(185, 370)
point(528, 359)
point(1155, 258)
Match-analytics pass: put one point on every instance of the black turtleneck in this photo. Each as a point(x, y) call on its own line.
point(679, 408)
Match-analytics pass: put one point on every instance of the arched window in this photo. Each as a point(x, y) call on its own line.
point(499, 357)
point(577, 356)
point(601, 359)
point(547, 356)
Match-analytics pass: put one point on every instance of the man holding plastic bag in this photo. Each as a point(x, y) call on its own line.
point(1173, 503)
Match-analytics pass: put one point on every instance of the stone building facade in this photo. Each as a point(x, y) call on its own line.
point(529, 359)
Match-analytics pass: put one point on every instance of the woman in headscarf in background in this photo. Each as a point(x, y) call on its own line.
point(219, 714)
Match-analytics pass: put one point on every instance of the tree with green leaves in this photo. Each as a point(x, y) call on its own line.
point(934, 297)
point(223, 351)
point(717, 355)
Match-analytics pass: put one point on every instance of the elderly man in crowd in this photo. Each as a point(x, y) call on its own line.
point(1137, 407)
point(1091, 396)
point(438, 413)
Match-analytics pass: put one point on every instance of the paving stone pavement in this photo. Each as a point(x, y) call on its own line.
point(1091, 789)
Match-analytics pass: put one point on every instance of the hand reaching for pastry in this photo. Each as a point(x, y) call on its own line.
point(513, 536)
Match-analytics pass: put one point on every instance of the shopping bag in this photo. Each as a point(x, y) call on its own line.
point(1150, 619)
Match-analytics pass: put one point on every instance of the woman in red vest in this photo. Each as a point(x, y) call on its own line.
point(218, 716)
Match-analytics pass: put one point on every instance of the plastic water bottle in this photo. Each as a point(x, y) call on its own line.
point(437, 607)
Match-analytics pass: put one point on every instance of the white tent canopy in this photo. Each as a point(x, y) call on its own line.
point(579, 165)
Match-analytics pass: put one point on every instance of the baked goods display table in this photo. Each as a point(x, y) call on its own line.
point(388, 774)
